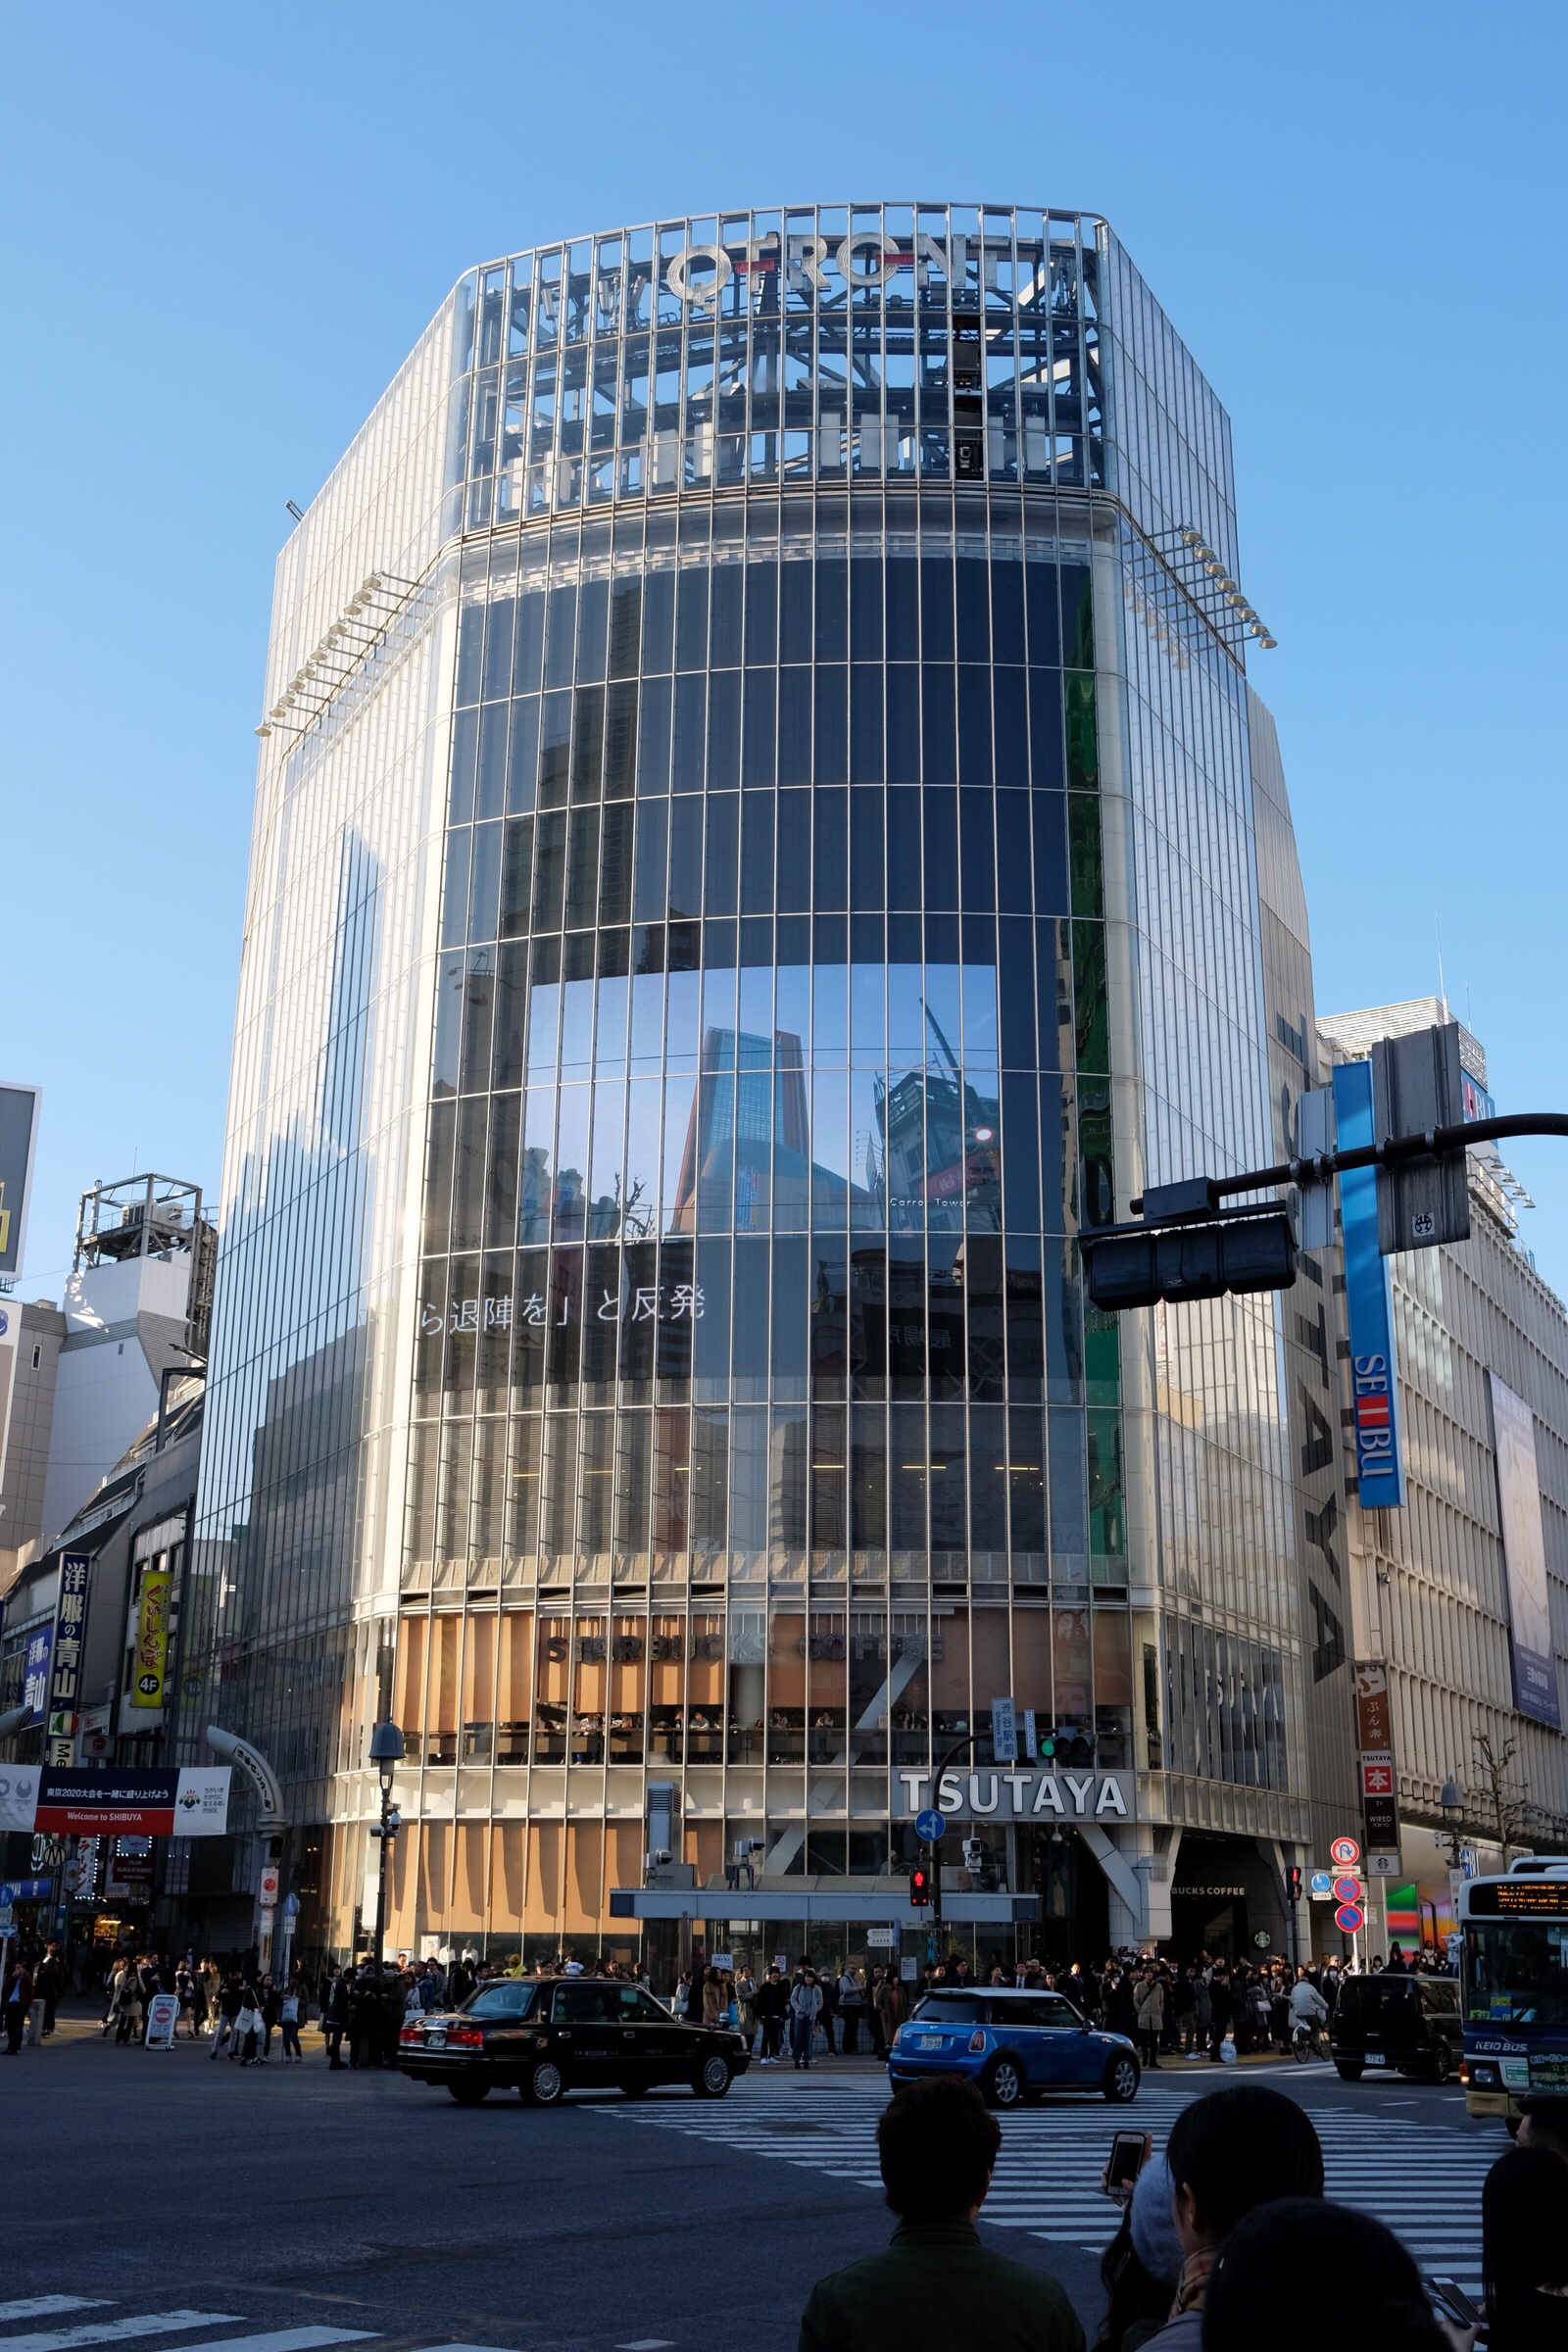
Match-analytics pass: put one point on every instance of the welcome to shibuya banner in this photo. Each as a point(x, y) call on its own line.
point(188, 1803)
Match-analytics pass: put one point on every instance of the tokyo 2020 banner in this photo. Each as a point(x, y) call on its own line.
point(190, 1803)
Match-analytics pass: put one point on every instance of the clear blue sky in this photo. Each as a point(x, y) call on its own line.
point(226, 226)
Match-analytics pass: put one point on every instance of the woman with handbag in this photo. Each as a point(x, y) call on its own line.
point(247, 2030)
point(128, 2006)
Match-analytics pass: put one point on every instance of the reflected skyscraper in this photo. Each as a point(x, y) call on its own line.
point(800, 781)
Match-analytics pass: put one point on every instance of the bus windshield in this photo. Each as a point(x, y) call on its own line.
point(1516, 1972)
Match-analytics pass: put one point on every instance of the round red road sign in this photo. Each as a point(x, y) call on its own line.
point(1347, 1891)
point(1345, 1852)
point(1349, 1918)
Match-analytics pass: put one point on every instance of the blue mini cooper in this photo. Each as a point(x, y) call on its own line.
point(1016, 2045)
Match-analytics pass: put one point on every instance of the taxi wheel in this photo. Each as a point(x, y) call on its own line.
point(469, 2094)
point(712, 2078)
point(1002, 2084)
point(546, 2086)
point(1347, 2071)
point(1121, 2080)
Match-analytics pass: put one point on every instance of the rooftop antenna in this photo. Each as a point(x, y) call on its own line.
point(1443, 986)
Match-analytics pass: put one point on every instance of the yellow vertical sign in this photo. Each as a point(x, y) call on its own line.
point(152, 1639)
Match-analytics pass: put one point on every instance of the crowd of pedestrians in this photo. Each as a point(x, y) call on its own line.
point(1202, 2009)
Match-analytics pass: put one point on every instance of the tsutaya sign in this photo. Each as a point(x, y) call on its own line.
point(699, 273)
point(1027, 1795)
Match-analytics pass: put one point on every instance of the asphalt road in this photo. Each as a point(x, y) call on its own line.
point(286, 2198)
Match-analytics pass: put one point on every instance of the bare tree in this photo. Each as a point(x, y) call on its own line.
point(1502, 1799)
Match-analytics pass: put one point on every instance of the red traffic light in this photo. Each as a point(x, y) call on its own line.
point(920, 1888)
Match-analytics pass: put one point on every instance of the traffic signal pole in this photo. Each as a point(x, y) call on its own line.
point(1201, 1196)
point(959, 1748)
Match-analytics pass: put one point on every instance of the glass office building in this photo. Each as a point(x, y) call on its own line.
point(754, 849)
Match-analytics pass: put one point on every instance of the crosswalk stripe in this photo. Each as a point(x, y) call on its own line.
point(287, 2340)
point(117, 2331)
point(45, 2307)
point(1421, 2178)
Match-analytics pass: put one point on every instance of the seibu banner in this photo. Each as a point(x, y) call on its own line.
point(57, 1801)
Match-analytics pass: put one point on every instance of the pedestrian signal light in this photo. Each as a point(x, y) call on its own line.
point(920, 1888)
point(1295, 1882)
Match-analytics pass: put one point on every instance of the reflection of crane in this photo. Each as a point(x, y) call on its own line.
point(951, 1057)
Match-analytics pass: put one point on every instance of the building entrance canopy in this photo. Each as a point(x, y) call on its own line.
point(845, 1907)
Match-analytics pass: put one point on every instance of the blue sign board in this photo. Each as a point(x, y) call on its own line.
point(35, 1672)
point(929, 1826)
point(1374, 1372)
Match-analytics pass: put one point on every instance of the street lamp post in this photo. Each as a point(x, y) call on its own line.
point(386, 1754)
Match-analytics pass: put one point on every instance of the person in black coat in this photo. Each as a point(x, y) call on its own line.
point(772, 2006)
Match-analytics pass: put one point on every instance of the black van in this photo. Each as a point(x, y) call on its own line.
point(1396, 2024)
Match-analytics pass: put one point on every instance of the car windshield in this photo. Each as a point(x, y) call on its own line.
point(512, 1999)
point(950, 2009)
point(1516, 1972)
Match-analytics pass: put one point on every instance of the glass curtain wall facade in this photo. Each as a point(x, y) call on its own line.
point(813, 875)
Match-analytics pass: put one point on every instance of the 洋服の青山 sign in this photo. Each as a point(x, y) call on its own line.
point(190, 1803)
point(1058, 1795)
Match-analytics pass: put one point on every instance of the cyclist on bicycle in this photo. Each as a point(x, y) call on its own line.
point(1308, 2010)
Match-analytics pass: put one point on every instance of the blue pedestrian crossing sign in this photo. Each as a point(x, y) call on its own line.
point(929, 1825)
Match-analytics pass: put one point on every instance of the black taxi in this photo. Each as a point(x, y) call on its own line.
point(546, 2035)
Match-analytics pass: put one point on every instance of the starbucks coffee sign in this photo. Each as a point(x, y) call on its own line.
point(1040, 1796)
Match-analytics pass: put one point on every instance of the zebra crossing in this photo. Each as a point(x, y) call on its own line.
point(1419, 2173)
point(178, 2326)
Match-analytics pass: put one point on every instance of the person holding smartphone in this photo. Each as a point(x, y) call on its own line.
point(1140, 2266)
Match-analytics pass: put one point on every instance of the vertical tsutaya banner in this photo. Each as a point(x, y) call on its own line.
point(1524, 1555)
point(1379, 1464)
point(152, 1639)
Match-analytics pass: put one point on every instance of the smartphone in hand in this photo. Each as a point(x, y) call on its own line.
point(1452, 2302)
point(1128, 2153)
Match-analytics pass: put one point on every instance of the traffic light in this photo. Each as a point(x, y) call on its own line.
point(1417, 1085)
point(920, 1888)
point(1128, 1269)
point(1293, 1881)
point(1067, 1746)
